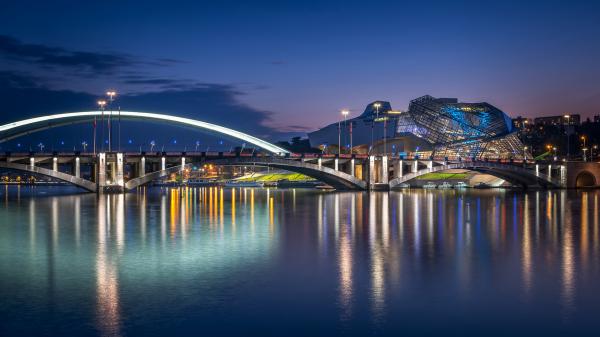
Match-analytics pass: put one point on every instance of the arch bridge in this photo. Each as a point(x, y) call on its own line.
point(107, 170)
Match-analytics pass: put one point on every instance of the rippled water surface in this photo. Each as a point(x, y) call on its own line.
point(211, 261)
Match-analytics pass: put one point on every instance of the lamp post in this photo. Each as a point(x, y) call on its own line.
point(345, 113)
point(594, 148)
point(524, 154)
point(339, 137)
point(84, 144)
point(555, 154)
point(102, 104)
point(568, 118)
point(41, 145)
point(583, 138)
point(377, 106)
point(152, 145)
point(111, 96)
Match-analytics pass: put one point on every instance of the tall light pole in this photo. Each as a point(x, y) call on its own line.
point(345, 113)
point(339, 137)
point(152, 145)
point(594, 148)
point(84, 144)
point(102, 104)
point(111, 96)
point(583, 138)
point(568, 118)
point(385, 135)
point(524, 154)
point(377, 106)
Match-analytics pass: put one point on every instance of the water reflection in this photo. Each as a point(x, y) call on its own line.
point(409, 254)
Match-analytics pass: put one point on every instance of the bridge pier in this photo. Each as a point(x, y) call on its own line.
point(142, 167)
point(77, 168)
point(54, 164)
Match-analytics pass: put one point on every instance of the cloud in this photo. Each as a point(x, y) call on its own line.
point(14, 49)
point(24, 96)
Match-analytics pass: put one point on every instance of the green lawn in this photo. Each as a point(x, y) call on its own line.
point(275, 177)
point(443, 176)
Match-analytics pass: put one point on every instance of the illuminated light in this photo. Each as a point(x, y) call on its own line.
point(394, 112)
point(86, 115)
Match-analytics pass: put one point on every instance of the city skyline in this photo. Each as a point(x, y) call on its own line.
point(530, 59)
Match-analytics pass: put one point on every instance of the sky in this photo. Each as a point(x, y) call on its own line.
point(276, 69)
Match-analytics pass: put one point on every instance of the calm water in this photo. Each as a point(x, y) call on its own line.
point(213, 262)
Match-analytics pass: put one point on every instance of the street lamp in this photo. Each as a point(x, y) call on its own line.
point(345, 113)
point(84, 144)
point(524, 154)
point(377, 106)
point(583, 138)
point(41, 145)
point(595, 147)
point(102, 104)
point(152, 145)
point(111, 95)
point(568, 118)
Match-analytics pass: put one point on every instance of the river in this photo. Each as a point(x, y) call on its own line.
point(294, 262)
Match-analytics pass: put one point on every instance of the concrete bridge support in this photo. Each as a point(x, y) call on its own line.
point(77, 167)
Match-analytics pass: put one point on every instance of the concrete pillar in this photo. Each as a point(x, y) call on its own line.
point(384, 170)
point(430, 164)
point(537, 170)
point(182, 163)
point(400, 170)
point(119, 171)
point(415, 166)
point(319, 162)
point(372, 173)
point(32, 161)
point(77, 168)
point(142, 167)
point(563, 176)
point(54, 164)
point(101, 169)
point(336, 163)
point(550, 171)
point(163, 163)
point(352, 167)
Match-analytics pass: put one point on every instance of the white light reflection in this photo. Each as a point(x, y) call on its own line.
point(107, 285)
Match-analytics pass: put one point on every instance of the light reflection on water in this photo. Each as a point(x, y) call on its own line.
point(159, 262)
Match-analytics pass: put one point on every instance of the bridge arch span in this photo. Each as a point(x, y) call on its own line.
point(585, 179)
point(20, 128)
point(79, 182)
point(337, 179)
point(511, 173)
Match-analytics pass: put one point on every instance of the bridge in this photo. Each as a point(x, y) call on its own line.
point(347, 172)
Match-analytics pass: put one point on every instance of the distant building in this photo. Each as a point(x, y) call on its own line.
point(558, 120)
point(521, 122)
point(597, 118)
point(366, 129)
point(431, 126)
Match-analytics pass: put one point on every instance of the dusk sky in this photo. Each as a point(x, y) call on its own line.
point(282, 67)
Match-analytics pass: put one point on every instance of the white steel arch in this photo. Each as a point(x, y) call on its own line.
point(30, 125)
